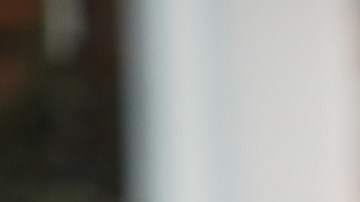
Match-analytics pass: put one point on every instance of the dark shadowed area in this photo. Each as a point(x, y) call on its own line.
point(58, 118)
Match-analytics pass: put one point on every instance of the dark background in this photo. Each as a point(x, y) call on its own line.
point(59, 131)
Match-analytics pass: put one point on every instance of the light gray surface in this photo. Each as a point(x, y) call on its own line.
point(250, 101)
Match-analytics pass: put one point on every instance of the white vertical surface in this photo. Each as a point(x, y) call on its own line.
point(250, 101)
point(298, 122)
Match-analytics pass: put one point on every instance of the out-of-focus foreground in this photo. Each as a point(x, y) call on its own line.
point(245, 101)
point(220, 101)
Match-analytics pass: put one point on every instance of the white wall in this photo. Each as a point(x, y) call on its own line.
point(251, 101)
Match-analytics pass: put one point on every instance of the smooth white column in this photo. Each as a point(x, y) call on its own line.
point(250, 101)
point(298, 101)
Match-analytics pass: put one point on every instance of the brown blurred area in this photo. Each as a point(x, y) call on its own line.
point(58, 124)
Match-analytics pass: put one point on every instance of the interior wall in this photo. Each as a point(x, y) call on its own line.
point(248, 101)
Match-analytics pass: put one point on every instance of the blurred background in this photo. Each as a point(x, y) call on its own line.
point(58, 101)
point(179, 101)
